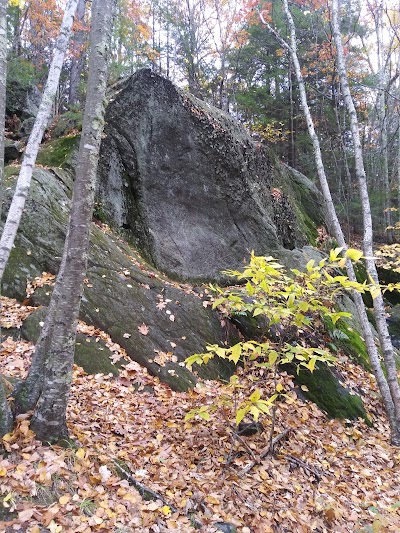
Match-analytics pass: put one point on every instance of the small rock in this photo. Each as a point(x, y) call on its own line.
point(225, 527)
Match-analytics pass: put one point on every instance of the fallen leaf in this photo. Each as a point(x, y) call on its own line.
point(143, 329)
point(25, 515)
point(63, 500)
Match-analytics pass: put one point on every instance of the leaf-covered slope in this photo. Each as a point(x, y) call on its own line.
point(326, 476)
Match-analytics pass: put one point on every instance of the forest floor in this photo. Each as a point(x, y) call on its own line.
point(325, 476)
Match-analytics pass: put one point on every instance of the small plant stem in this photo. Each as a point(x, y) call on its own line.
point(273, 417)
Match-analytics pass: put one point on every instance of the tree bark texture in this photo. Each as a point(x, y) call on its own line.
point(35, 138)
point(381, 107)
point(6, 418)
point(57, 349)
point(77, 62)
point(379, 307)
point(3, 81)
point(332, 215)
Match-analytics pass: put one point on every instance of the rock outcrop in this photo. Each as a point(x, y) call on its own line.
point(195, 194)
point(193, 190)
point(158, 323)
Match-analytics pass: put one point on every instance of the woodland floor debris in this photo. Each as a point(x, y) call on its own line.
point(357, 487)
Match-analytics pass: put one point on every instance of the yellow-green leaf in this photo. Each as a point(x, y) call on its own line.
point(353, 254)
point(255, 412)
point(255, 396)
point(311, 364)
point(236, 353)
point(304, 306)
point(310, 265)
point(333, 254)
point(272, 357)
point(375, 291)
point(240, 414)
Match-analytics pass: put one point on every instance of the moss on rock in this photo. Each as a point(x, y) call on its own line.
point(67, 124)
point(91, 353)
point(306, 200)
point(58, 153)
point(325, 390)
point(349, 340)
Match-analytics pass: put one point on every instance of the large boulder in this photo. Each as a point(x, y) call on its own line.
point(193, 190)
point(158, 323)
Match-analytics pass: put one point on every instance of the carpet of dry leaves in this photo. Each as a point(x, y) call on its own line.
point(347, 478)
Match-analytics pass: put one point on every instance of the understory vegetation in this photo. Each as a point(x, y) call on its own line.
point(149, 458)
point(190, 133)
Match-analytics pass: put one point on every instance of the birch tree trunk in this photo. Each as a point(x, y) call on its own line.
point(379, 308)
point(35, 138)
point(3, 80)
point(6, 418)
point(57, 348)
point(334, 221)
point(381, 107)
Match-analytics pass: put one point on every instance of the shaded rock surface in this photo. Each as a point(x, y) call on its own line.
point(12, 150)
point(91, 353)
point(192, 189)
point(121, 294)
point(22, 99)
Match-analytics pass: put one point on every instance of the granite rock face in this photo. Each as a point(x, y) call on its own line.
point(194, 192)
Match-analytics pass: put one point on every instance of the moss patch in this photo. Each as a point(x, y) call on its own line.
point(11, 171)
point(58, 153)
point(91, 353)
point(67, 124)
point(349, 340)
point(308, 225)
point(325, 390)
point(308, 203)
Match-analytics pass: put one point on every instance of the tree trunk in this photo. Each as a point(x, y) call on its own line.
point(57, 350)
point(383, 82)
point(35, 138)
point(379, 308)
point(332, 216)
point(3, 83)
point(6, 418)
point(77, 62)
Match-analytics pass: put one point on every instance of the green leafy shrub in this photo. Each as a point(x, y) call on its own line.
point(292, 310)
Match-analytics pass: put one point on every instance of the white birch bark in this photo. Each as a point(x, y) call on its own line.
point(332, 217)
point(379, 308)
point(6, 418)
point(383, 85)
point(35, 138)
point(398, 147)
point(3, 80)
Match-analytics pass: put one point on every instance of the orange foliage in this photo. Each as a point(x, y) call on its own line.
point(251, 15)
point(44, 19)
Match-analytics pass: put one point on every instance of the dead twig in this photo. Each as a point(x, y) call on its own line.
point(300, 463)
point(151, 495)
point(266, 451)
